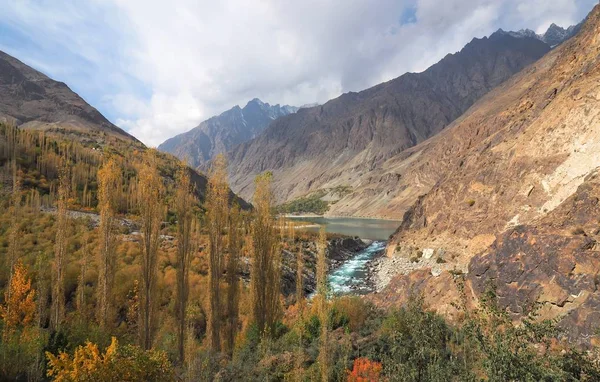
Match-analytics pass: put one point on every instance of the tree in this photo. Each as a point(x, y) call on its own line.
point(217, 206)
point(266, 266)
point(150, 195)
point(19, 308)
point(365, 370)
point(184, 203)
point(322, 304)
point(233, 266)
point(57, 309)
point(109, 182)
point(15, 211)
point(85, 254)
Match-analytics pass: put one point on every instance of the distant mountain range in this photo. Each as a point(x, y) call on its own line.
point(30, 99)
point(221, 133)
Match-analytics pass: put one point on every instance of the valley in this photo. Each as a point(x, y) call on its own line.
point(437, 225)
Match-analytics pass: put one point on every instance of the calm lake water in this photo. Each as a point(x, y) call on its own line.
point(372, 229)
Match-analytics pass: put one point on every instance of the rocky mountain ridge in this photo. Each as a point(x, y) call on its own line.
point(554, 35)
point(221, 133)
point(340, 143)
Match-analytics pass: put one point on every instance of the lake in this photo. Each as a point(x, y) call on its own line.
point(372, 229)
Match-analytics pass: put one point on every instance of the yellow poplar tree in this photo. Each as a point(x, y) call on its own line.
point(217, 206)
point(109, 182)
point(150, 198)
point(266, 265)
point(57, 309)
point(185, 218)
point(233, 264)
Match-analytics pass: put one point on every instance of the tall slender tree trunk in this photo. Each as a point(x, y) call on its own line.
point(109, 182)
point(323, 305)
point(185, 221)
point(150, 198)
point(60, 250)
point(217, 205)
point(235, 246)
point(266, 265)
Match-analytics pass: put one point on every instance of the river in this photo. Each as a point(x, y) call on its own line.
point(351, 276)
point(371, 229)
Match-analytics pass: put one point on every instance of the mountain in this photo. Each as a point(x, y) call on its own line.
point(513, 194)
point(554, 36)
point(221, 133)
point(30, 99)
point(338, 144)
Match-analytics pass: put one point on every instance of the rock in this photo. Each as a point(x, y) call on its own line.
point(427, 253)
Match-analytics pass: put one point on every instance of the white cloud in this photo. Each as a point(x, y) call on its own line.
point(168, 65)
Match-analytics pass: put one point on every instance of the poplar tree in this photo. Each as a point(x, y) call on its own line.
point(217, 199)
point(109, 182)
point(57, 309)
point(183, 205)
point(150, 196)
point(13, 230)
point(266, 266)
point(322, 304)
point(85, 254)
point(233, 264)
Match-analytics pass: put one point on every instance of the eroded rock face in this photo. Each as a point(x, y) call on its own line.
point(555, 262)
point(516, 200)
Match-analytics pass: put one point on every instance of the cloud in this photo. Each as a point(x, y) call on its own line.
point(159, 68)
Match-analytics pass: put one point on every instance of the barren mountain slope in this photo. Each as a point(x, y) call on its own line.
point(337, 143)
point(516, 195)
point(30, 99)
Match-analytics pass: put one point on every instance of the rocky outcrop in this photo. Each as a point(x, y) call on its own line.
point(221, 133)
point(345, 142)
point(29, 99)
point(339, 250)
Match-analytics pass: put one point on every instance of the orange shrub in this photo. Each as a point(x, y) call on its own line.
point(365, 370)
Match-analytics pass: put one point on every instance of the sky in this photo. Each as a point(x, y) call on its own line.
point(159, 68)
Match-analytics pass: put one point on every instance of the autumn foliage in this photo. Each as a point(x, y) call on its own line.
point(127, 363)
point(365, 370)
point(19, 309)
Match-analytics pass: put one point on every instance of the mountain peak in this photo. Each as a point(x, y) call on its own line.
point(554, 35)
point(221, 133)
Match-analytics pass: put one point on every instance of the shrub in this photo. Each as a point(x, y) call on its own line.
point(127, 363)
point(365, 370)
point(470, 202)
point(578, 231)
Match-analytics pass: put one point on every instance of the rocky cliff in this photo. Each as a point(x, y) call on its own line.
point(515, 191)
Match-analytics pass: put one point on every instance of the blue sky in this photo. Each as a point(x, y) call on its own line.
point(159, 68)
